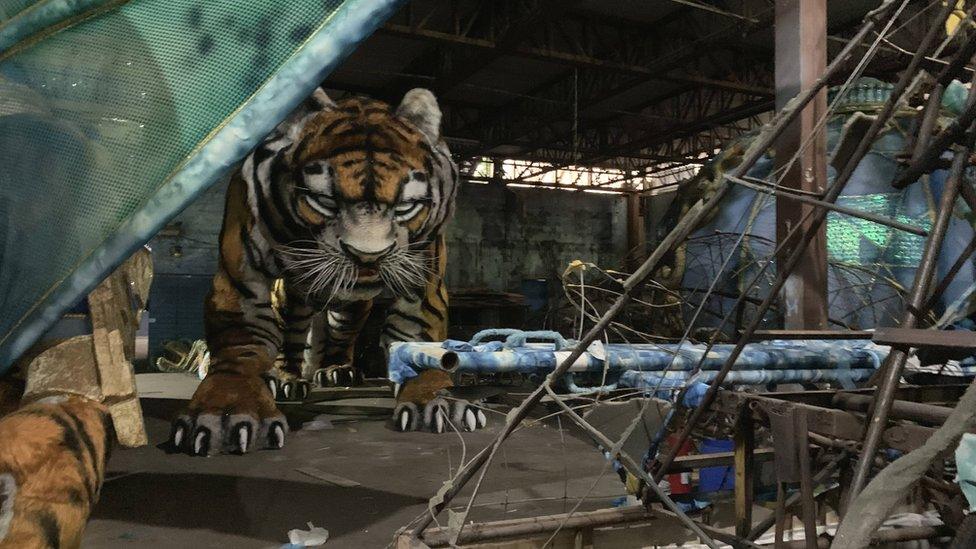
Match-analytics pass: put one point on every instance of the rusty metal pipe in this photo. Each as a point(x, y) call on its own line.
point(893, 366)
point(928, 414)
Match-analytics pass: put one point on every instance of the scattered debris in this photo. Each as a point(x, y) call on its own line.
point(313, 537)
point(185, 357)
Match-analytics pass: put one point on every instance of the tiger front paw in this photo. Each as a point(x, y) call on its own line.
point(343, 375)
point(438, 416)
point(229, 414)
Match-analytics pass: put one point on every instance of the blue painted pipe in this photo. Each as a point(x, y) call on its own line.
point(674, 380)
point(538, 353)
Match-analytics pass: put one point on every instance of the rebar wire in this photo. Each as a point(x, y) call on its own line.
point(717, 11)
point(580, 500)
point(859, 70)
point(820, 125)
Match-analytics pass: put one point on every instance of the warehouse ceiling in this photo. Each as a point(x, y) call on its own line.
point(641, 86)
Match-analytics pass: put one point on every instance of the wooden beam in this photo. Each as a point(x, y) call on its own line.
point(745, 443)
point(962, 340)
point(698, 461)
point(525, 527)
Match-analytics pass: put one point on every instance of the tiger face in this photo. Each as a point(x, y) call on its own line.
point(370, 185)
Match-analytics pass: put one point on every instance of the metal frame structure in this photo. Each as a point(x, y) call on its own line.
point(847, 427)
point(614, 91)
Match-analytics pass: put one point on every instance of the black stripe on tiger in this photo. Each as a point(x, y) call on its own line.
point(50, 528)
point(71, 440)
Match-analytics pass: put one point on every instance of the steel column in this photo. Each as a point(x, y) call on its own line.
point(801, 58)
point(635, 232)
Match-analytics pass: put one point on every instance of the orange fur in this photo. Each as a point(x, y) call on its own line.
point(54, 455)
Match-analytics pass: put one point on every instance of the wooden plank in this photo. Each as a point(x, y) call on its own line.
point(830, 422)
point(484, 532)
point(697, 461)
point(962, 340)
point(809, 505)
point(765, 335)
point(717, 533)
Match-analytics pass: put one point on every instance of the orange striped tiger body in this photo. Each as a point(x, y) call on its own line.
point(52, 464)
point(342, 202)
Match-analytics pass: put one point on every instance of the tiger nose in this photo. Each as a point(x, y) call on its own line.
point(365, 257)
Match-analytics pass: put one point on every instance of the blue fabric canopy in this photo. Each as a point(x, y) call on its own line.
point(114, 115)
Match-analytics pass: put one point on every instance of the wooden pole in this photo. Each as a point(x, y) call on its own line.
point(745, 443)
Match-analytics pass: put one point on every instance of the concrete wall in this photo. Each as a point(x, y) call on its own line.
point(498, 237)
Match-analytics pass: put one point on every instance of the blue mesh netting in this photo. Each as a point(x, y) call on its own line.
point(112, 119)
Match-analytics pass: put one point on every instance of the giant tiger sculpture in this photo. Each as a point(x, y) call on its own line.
point(341, 201)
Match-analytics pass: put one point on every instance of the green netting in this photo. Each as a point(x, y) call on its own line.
point(860, 242)
point(10, 8)
point(111, 121)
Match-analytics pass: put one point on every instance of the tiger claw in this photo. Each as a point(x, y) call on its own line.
point(178, 434)
point(236, 416)
point(406, 417)
point(242, 441)
point(201, 442)
point(287, 390)
point(272, 384)
point(438, 416)
point(297, 389)
point(336, 376)
point(276, 435)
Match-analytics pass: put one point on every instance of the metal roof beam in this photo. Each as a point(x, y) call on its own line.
point(576, 60)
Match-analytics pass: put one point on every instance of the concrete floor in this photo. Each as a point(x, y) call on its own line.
point(155, 499)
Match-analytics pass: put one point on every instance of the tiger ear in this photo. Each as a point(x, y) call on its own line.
point(321, 99)
point(419, 107)
point(317, 102)
point(294, 130)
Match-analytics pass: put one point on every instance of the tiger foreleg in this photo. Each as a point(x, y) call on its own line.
point(233, 410)
point(426, 402)
point(229, 413)
point(333, 343)
point(287, 382)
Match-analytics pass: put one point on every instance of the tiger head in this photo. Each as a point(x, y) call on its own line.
point(371, 186)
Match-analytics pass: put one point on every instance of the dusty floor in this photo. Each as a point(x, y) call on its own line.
point(155, 499)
